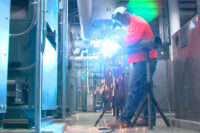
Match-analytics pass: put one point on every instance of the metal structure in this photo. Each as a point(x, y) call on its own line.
point(4, 46)
point(114, 98)
point(4, 34)
point(186, 68)
point(62, 41)
point(44, 83)
point(33, 50)
point(49, 68)
point(150, 100)
point(38, 70)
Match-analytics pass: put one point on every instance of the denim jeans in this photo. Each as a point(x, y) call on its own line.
point(137, 91)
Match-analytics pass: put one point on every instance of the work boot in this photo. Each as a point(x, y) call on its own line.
point(118, 124)
point(143, 123)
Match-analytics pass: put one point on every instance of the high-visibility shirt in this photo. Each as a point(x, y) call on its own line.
point(138, 29)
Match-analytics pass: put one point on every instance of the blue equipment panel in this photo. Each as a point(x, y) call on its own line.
point(4, 37)
point(49, 78)
point(52, 16)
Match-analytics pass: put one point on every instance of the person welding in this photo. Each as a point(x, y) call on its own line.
point(138, 29)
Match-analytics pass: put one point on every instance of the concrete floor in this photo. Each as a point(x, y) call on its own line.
point(83, 123)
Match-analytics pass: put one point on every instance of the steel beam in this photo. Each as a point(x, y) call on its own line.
point(38, 68)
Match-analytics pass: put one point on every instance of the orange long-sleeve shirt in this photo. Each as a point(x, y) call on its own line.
point(138, 29)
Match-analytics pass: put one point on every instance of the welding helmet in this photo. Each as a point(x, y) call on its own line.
point(119, 16)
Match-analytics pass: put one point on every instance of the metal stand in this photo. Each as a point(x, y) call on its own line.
point(1, 121)
point(116, 104)
point(150, 99)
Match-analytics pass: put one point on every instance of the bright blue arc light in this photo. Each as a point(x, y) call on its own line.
point(109, 48)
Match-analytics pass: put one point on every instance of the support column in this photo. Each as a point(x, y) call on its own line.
point(174, 23)
point(198, 8)
point(174, 16)
point(38, 68)
point(63, 41)
point(1, 121)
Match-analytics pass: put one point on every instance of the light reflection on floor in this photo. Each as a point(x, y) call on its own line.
point(84, 122)
point(81, 129)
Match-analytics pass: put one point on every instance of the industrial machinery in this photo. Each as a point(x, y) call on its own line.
point(186, 70)
point(22, 63)
point(4, 45)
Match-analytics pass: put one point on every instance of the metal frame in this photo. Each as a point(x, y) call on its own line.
point(62, 41)
point(38, 68)
point(174, 21)
point(150, 100)
point(66, 4)
point(113, 99)
point(41, 32)
point(63, 26)
point(4, 47)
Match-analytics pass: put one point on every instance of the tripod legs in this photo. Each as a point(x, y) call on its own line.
point(104, 110)
point(161, 113)
point(139, 111)
point(150, 99)
point(116, 109)
point(149, 96)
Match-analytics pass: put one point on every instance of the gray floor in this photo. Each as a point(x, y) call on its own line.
point(83, 123)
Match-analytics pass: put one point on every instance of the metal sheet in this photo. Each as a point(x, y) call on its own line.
point(186, 72)
point(4, 35)
point(49, 78)
point(161, 84)
point(52, 15)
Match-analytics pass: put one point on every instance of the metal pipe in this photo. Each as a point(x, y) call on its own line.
point(174, 18)
point(38, 69)
point(85, 14)
point(88, 89)
point(63, 25)
point(84, 57)
point(198, 8)
point(44, 22)
point(63, 6)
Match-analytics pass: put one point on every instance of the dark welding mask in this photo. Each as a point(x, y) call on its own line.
point(119, 17)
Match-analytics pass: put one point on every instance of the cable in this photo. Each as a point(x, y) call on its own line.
point(31, 25)
point(23, 68)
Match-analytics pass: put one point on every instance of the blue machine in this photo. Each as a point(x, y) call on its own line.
point(22, 62)
point(4, 35)
point(4, 45)
point(49, 85)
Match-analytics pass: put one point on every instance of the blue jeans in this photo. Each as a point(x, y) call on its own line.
point(137, 91)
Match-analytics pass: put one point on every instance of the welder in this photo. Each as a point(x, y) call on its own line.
point(138, 29)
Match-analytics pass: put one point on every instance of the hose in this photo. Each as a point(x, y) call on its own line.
point(30, 26)
point(23, 68)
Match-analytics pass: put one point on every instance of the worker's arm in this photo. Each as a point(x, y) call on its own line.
point(135, 32)
point(143, 45)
